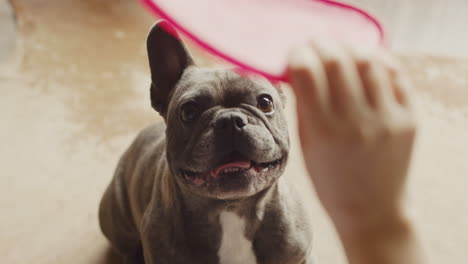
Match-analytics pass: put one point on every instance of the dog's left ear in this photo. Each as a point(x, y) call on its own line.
point(168, 58)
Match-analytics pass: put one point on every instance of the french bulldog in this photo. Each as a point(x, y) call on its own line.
point(205, 185)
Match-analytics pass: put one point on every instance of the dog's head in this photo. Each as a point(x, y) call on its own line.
point(226, 134)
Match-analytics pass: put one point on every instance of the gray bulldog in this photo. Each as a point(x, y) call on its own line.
point(205, 186)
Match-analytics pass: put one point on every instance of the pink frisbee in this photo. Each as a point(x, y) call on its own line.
point(257, 35)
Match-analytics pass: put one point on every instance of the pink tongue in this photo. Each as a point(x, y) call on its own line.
point(236, 164)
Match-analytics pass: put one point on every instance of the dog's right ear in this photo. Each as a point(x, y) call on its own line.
point(168, 58)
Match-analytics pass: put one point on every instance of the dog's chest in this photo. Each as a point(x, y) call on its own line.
point(235, 247)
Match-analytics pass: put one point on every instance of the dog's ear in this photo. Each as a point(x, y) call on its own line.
point(168, 58)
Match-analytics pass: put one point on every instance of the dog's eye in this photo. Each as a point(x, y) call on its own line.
point(265, 103)
point(189, 111)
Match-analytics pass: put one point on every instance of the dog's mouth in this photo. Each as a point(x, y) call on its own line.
point(233, 167)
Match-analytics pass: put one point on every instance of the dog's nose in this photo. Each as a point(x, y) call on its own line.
point(230, 121)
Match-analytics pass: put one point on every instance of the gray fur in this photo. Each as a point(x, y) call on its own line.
point(152, 211)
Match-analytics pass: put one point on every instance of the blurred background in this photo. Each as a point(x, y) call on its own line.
point(74, 91)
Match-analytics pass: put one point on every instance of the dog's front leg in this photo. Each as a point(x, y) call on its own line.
point(153, 251)
point(156, 251)
point(159, 242)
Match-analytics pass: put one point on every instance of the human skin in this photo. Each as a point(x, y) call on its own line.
point(357, 128)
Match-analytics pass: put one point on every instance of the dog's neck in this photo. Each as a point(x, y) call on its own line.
point(196, 208)
point(200, 223)
point(244, 206)
point(210, 222)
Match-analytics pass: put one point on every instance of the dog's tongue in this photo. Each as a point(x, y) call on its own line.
point(235, 164)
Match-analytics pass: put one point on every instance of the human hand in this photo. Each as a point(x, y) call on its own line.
point(356, 128)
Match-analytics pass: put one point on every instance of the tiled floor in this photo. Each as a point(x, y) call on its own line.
point(79, 93)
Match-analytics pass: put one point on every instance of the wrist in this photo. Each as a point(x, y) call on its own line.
point(352, 218)
point(373, 228)
point(389, 240)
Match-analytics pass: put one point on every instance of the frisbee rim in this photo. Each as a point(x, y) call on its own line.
point(156, 10)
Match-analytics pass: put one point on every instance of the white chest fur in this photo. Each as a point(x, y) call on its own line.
point(235, 248)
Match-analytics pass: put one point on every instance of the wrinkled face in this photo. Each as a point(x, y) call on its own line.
point(226, 134)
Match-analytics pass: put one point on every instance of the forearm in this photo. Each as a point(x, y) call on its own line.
point(391, 241)
point(357, 126)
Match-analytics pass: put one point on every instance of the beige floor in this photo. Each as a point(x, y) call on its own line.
point(76, 91)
